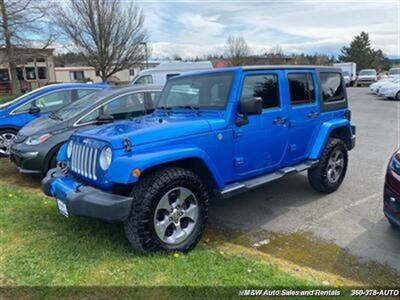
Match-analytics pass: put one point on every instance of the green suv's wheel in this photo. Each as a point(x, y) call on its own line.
point(328, 174)
point(169, 211)
point(7, 137)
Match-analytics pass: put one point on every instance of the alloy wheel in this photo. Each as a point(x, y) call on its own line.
point(6, 140)
point(176, 216)
point(335, 166)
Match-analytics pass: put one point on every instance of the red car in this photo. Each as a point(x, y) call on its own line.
point(391, 194)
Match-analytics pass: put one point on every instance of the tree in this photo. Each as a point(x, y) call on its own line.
point(109, 34)
point(275, 51)
point(177, 57)
point(236, 49)
point(382, 62)
point(363, 55)
point(22, 24)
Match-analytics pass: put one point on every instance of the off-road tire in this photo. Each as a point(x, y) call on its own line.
point(3, 131)
point(317, 175)
point(139, 226)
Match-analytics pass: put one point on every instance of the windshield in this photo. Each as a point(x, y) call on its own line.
point(75, 108)
point(394, 71)
point(197, 91)
point(368, 72)
point(345, 73)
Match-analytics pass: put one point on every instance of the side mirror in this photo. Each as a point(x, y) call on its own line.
point(34, 110)
point(104, 119)
point(250, 106)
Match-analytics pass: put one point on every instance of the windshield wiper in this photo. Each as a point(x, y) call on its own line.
point(55, 116)
point(164, 107)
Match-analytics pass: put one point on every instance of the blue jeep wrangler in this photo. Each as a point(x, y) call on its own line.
point(217, 132)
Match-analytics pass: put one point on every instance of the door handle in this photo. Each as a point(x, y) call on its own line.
point(313, 115)
point(280, 120)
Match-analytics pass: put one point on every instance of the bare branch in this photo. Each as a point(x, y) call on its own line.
point(236, 49)
point(109, 34)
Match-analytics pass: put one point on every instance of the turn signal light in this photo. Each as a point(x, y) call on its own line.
point(136, 172)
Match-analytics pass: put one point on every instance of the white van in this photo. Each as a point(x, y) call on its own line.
point(160, 74)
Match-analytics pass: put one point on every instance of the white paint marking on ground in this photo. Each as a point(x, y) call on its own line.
point(346, 207)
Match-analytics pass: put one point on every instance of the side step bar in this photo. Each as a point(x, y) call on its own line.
point(239, 187)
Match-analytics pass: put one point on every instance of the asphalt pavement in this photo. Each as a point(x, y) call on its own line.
point(352, 217)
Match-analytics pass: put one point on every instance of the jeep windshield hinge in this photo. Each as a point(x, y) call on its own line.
point(127, 145)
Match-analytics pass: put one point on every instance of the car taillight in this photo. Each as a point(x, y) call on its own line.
point(395, 163)
point(347, 114)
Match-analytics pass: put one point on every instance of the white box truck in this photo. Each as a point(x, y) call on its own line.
point(349, 70)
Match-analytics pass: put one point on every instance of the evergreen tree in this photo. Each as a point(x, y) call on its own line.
point(363, 55)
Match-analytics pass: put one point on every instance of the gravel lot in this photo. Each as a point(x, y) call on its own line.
point(350, 218)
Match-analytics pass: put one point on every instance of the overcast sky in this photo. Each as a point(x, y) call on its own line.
point(196, 28)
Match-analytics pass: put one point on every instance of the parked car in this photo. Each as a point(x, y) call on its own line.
point(349, 72)
point(377, 86)
point(366, 77)
point(35, 148)
point(391, 194)
point(219, 132)
point(391, 91)
point(394, 72)
point(17, 113)
point(160, 74)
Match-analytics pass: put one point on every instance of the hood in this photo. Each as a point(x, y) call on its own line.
point(42, 125)
point(152, 129)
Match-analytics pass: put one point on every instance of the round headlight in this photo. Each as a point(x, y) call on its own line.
point(105, 158)
point(69, 149)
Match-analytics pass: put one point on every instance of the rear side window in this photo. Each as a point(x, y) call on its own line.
point(263, 86)
point(55, 100)
point(301, 88)
point(83, 93)
point(331, 86)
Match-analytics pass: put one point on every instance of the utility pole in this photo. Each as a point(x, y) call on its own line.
point(146, 54)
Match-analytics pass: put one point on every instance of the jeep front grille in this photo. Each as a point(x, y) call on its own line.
point(84, 160)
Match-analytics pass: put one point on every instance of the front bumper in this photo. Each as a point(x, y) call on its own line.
point(389, 94)
point(84, 200)
point(28, 161)
point(366, 81)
